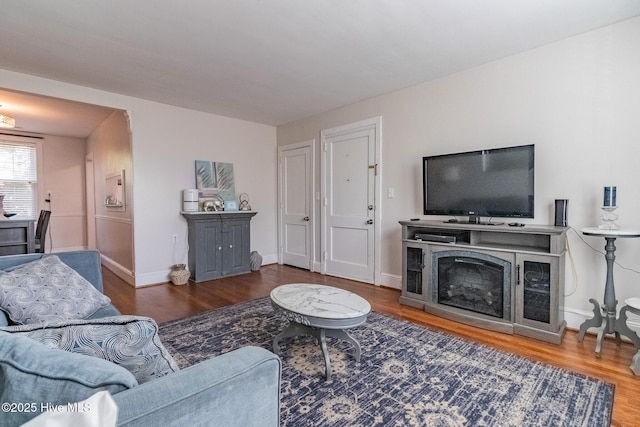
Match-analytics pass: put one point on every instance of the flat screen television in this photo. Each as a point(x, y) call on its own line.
point(485, 183)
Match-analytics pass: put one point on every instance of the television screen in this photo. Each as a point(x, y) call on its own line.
point(491, 183)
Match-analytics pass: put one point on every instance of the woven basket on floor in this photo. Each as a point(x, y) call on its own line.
point(179, 274)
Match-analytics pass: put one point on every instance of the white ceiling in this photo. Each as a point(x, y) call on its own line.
point(276, 61)
point(51, 116)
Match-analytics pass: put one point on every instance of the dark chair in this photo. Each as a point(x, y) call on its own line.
point(41, 230)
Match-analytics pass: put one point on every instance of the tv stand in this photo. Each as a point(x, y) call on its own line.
point(497, 277)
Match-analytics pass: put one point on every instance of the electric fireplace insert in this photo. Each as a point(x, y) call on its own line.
point(472, 281)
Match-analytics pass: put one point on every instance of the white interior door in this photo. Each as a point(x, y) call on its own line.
point(350, 169)
point(296, 204)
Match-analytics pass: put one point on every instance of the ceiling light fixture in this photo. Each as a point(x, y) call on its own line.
point(7, 122)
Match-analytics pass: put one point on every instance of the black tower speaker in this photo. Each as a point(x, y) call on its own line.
point(561, 213)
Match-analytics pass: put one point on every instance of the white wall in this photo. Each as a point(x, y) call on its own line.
point(63, 175)
point(166, 141)
point(577, 100)
point(60, 171)
point(163, 157)
point(110, 148)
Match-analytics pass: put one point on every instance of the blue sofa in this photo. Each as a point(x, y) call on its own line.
point(239, 388)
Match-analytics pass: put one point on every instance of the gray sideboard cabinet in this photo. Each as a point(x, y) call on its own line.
point(219, 244)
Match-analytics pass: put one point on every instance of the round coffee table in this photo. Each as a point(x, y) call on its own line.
point(320, 311)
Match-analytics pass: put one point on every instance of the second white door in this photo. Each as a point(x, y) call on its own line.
point(296, 189)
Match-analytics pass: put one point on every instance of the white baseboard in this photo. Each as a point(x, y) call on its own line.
point(391, 280)
point(270, 259)
point(150, 279)
point(120, 271)
point(158, 277)
point(575, 318)
point(386, 279)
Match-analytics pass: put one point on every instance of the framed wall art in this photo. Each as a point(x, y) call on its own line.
point(214, 181)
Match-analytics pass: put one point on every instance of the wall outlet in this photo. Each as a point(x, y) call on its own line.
point(174, 238)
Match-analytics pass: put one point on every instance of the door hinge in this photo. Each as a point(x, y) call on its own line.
point(324, 146)
point(324, 255)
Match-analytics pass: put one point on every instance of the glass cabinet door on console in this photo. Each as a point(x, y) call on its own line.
point(415, 275)
point(537, 292)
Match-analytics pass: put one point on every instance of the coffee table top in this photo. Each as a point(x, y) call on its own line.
point(320, 301)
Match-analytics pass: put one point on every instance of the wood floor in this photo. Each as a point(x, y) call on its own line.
point(168, 302)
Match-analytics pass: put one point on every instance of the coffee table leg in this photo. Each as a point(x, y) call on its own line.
point(325, 353)
point(276, 347)
point(344, 335)
point(293, 330)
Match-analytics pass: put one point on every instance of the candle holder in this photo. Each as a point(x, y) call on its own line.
point(608, 217)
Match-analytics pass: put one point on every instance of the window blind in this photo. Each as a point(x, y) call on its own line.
point(18, 177)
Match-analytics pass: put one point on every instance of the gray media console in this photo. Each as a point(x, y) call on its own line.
point(497, 277)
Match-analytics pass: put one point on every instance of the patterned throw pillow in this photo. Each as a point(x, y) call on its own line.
point(129, 341)
point(47, 290)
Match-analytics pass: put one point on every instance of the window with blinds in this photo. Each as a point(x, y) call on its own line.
point(18, 177)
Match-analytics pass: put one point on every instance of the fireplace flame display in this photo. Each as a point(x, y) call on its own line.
point(471, 283)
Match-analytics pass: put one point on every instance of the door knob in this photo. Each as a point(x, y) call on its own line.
point(306, 218)
point(370, 221)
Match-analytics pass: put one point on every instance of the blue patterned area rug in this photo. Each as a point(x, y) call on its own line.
point(408, 375)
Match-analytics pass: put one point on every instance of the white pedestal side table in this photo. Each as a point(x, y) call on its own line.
point(610, 323)
point(320, 311)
